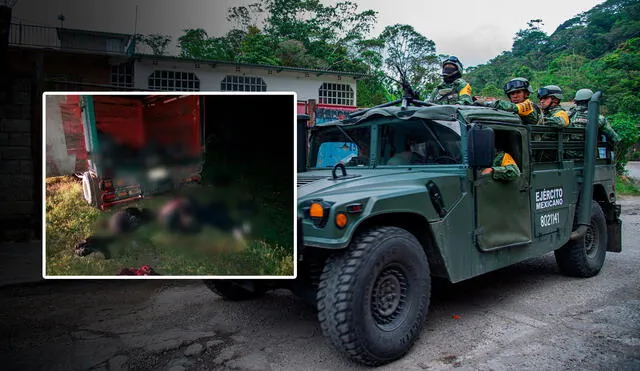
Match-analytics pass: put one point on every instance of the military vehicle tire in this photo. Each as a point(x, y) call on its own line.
point(584, 257)
point(373, 298)
point(228, 291)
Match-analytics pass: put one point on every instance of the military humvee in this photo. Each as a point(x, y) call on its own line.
point(391, 196)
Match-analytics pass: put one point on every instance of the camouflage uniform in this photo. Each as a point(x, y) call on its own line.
point(529, 112)
point(454, 89)
point(578, 116)
point(555, 116)
point(504, 167)
point(457, 92)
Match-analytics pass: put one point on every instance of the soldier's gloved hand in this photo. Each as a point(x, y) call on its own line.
point(480, 102)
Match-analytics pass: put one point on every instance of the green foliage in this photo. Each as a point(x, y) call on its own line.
point(403, 51)
point(626, 125)
point(490, 90)
point(626, 186)
point(371, 92)
point(157, 42)
point(304, 34)
point(598, 49)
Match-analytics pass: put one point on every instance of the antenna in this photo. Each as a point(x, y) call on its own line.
point(135, 23)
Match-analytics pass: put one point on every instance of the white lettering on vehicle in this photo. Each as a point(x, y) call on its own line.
point(548, 220)
point(547, 198)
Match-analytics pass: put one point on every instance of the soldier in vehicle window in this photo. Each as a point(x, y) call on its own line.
point(504, 167)
point(454, 89)
point(578, 115)
point(518, 91)
point(553, 115)
point(408, 156)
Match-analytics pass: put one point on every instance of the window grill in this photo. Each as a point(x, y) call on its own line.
point(174, 81)
point(243, 83)
point(332, 93)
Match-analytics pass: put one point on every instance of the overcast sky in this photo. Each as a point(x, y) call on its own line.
point(475, 31)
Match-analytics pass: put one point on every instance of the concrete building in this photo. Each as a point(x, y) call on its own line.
point(56, 59)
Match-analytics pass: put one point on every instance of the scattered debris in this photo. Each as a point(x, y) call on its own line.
point(145, 270)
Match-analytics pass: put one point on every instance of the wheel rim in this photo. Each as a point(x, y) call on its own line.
point(388, 298)
point(591, 240)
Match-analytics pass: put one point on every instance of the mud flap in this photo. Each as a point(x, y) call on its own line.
point(614, 234)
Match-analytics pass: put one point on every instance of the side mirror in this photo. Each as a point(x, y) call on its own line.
point(481, 146)
point(301, 149)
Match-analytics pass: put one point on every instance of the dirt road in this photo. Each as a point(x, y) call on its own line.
point(528, 316)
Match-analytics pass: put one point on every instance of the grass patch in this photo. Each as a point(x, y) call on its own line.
point(626, 186)
point(269, 250)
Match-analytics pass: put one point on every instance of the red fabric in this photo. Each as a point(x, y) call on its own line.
point(145, 270)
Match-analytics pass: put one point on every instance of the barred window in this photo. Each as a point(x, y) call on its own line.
point(122, 75)
point(331, 93)
point(243, 83)
point(174, 81)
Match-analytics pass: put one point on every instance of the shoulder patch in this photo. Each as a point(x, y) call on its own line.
point(563, 115)
point(507, 160)
point(466, 90)
point(525, 108)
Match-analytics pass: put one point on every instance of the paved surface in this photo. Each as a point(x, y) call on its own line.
point(528, 316)
point(20, 263)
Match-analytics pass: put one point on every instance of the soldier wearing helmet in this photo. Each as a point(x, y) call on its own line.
point(578, 115)
point(454, 89)
point(518, 91)
point(554, 115)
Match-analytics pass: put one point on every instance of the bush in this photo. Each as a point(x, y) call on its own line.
point(626, 125)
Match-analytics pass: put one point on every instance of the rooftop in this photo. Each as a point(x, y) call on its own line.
point(317, 72)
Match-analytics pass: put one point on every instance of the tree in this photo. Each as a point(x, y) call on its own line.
point(403, 49)
point(195, 43)
point(257, 48)
point(157, 42)
point(626, 126)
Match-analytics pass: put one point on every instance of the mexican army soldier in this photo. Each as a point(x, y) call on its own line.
point(518, 91)
point(504, 168)
point(454, 89)
point(578, 115)
point(553, 115)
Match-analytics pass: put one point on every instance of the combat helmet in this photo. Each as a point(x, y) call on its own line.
point(518, 83)
point(583, 94)
point(454, 61)
point(550, 91)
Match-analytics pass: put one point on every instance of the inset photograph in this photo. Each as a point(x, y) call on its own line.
point(169, 184)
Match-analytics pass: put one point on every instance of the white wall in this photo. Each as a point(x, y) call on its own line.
point(306, 85)
point(57, 160)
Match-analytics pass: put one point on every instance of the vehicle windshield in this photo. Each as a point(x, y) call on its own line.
point(335, 144)
point(419, 142)
point(400, 142)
